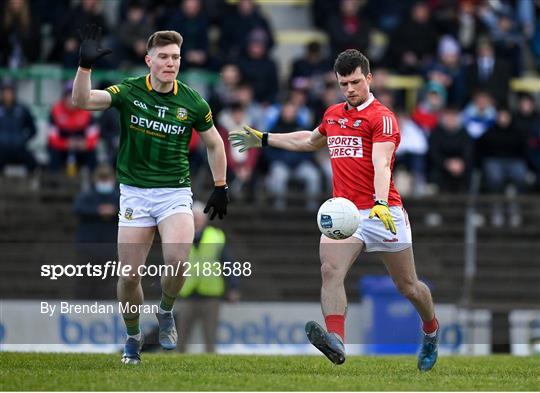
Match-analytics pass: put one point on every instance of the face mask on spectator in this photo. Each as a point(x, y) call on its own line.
point(105, 187)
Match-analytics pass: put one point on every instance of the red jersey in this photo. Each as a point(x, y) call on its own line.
point(350, 136)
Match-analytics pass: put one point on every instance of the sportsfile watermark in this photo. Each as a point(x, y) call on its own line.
point(119, 269)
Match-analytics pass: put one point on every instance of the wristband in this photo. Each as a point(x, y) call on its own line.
point(264, 141)
point(381, 202)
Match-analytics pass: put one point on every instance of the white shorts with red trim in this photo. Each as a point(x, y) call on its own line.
point(377, 238)
point(147, 207)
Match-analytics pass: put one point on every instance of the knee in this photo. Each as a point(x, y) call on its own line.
point(329, 272)
point(409, 289)
point(129, 280)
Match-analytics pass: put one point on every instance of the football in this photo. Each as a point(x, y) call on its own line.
point(338, 218)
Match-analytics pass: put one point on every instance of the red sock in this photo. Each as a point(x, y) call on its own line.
point(336, 324)
point(430, 326)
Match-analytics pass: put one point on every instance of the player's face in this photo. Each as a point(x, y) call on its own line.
point(164, 62)
point(355, 87)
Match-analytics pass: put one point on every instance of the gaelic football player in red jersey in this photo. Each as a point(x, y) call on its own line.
point(362, 136)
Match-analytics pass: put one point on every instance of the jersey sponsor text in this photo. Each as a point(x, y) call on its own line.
point(172, 129)
point(345, 146)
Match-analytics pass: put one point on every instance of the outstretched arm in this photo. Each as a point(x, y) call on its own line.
point(84, 97)
point(302, 141)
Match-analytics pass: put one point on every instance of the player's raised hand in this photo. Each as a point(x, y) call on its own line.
point(218, 201)
point(382, 212)
point(247, 138)
point(90, 50)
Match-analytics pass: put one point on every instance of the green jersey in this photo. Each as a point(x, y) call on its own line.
point(155, 132)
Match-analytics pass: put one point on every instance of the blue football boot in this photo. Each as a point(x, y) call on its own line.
point(328, 343)
point(168, 336)
point(132, 351)
point(429, 352)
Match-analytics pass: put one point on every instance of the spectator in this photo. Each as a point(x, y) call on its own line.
point(427, 111)
point(244, 95)
point(203, 294)
point(447, 70)
point(97, 208)
point(20, 39)
point(527, 122)
point(66, 46)
point(16, 129)
point(286, 164)
point(347, 29)
point(109, 126)
point(190, 21)
point(479, 115)
point(224, 91)
point(239, 26)
point(468, 28)
point(450, 151)
point(414, 42)
point(259, 69)
point(387, 15)
point(133, 34)
point(502, 153)
point(303, 114)
point(73, 136)
point(412, 151)
point(321, 11)
point(97, 211)
point(505, 35)
point(309, 71)
point(489, 73)
point(241, 165)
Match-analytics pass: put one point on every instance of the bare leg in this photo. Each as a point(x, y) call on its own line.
point(177, 232)
point(400, 265)
point(133, 247)
point(337, 256)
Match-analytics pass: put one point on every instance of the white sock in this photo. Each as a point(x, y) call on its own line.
point(135, 336)
point(162, 311)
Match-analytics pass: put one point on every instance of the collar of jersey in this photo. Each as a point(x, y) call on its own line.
point(366, 104)
point(149, 85)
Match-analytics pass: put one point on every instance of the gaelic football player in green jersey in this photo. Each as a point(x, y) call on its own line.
point(158, 115)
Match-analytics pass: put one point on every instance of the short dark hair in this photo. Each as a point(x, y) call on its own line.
point(349, 60)
point(163, 38)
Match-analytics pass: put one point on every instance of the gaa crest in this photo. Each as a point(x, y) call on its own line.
point(128, 213)
point(181, 114)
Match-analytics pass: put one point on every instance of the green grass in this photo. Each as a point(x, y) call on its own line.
point(32, 371)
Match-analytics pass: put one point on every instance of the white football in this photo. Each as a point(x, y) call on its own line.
point(338, 218)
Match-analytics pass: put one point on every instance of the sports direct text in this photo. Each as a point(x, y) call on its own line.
point(116, 268)
point(345, 146)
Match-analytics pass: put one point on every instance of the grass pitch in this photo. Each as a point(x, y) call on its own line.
point(36, 371)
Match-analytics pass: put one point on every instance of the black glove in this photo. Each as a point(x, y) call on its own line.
point(90, 51)
point(218, 200)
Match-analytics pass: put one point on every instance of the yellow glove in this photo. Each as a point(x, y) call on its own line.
point(382, 212)
point(248, 138)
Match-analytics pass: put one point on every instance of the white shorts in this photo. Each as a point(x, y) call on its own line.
point(147, 207)
point(377, 238)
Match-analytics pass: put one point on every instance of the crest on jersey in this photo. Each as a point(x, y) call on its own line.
point(181, 114)
point(128, 213)
point(357, 123)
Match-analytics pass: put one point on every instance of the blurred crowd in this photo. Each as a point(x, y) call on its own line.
point(466, 116)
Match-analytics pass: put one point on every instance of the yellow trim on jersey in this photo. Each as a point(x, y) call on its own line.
point(113, 89)
point(208, 117)
point(149, 85)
